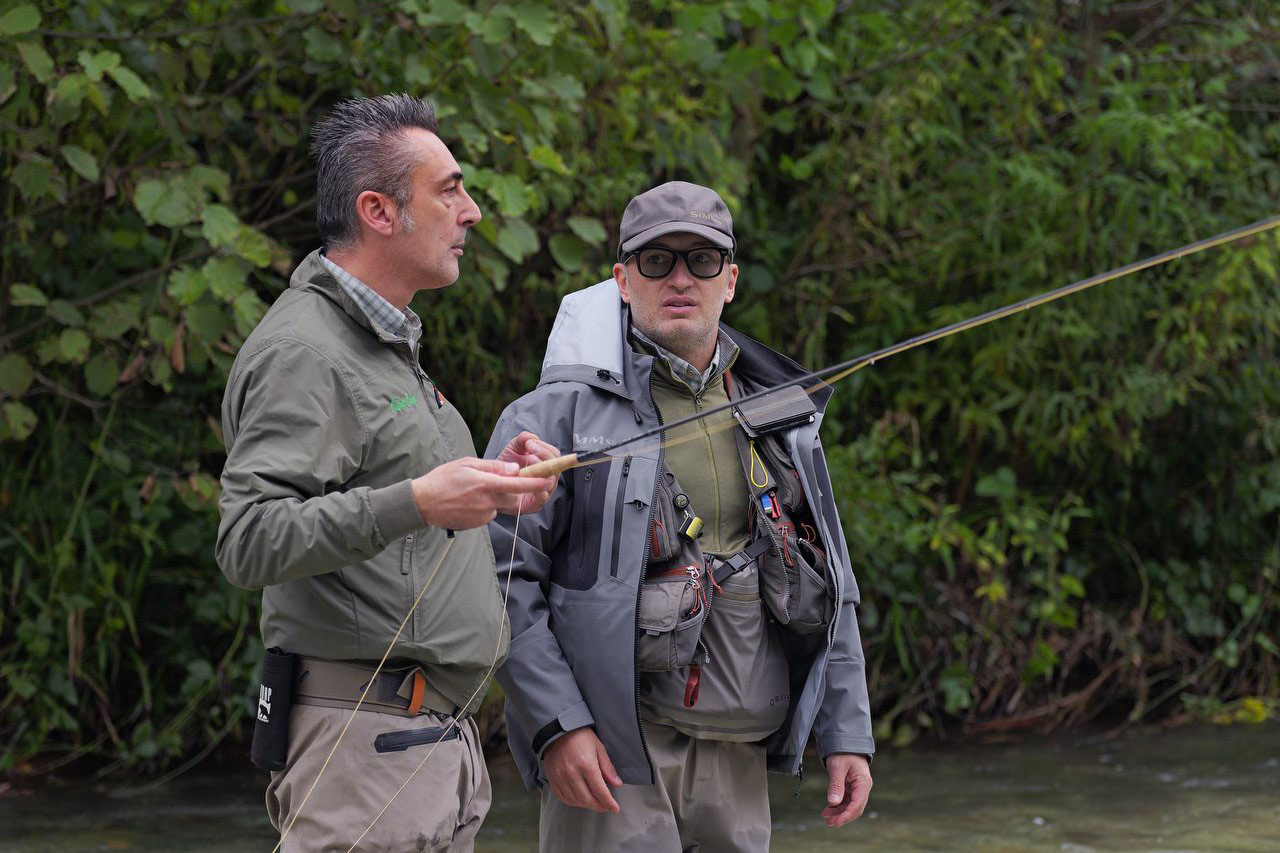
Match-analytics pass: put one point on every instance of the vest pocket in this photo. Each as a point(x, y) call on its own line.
point(793, 576)
point(664, 533)
point(669, 621)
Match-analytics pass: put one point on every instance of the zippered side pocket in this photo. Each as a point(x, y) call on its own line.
point(402, 740)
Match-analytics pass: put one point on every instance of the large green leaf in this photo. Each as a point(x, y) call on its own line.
point(34, 178)
point(186, 285)
point(82, 161)
point(20, 420)
point(64, 312)
point(511, 194)
point(517, 239)
point(568, 250)
point(23, 295)
point(74, 345)
point(115, 318)
point(18, 20)
point(101, 373)
point(225, 277)
point(37, 60)
point(539, 21)
point(590, 230)
point(169, 202)
point(16, 374)
point(97, 64)
point(130, 82)
point(548, 158)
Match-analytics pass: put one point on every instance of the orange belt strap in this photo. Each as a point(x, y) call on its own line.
point(419, 687)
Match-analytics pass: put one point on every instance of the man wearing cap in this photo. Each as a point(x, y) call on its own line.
point(682, 615)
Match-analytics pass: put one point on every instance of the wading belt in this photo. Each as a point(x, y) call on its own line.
point(339, 684)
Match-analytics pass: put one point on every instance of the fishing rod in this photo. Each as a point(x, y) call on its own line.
point(829, 375)
point(835, 372)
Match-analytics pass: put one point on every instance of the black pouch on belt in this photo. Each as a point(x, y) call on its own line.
point(270, 749)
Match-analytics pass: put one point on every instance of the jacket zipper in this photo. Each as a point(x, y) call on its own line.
point(618, 504)
point(408, 569)
point(644, 570)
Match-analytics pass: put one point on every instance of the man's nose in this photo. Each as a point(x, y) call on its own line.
point(470, 213)
point(680, 275)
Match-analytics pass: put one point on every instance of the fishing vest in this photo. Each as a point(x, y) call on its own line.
point(712, 663)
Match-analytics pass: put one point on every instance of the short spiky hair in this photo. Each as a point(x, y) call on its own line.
point(359, 146)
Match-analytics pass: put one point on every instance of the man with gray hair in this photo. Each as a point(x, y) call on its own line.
point(353, 499)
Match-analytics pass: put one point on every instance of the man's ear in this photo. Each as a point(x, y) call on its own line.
point(376, 212)
point(732, 286)
point(624, 286)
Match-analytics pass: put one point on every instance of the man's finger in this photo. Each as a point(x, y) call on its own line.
point(541, 449)
point(835, 792)
point(600, 792)
point(587, 798)
point(492, 466)
point(607, 768)
point(518, 485)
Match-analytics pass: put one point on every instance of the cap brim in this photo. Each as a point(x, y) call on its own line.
point(718, 238)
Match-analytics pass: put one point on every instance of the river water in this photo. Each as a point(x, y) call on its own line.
point(1200, 788)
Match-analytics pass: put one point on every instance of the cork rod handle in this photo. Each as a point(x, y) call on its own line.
point(550, 467)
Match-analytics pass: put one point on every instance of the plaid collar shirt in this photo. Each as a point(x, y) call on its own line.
point(682, 370)
point(403, 325)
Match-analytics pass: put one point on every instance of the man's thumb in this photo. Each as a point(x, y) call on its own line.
point(835, 792)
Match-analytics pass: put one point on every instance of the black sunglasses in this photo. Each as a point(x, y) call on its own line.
point(657, 262)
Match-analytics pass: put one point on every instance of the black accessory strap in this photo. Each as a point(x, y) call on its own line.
point(740, 560)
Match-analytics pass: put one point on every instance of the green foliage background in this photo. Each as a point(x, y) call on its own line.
point(1067, 514)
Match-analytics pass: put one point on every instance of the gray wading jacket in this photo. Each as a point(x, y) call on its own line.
point(326, 422)
point(575, 580)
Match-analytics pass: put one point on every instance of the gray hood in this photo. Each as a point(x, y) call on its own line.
point(590, 336)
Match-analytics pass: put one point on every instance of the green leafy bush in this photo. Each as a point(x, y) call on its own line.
point(1068, 513)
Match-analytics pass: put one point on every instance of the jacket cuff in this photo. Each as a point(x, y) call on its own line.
point(853, 744)
point(395, 512)
point(575, 717)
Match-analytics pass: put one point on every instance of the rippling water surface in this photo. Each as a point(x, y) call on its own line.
point(1192, 789)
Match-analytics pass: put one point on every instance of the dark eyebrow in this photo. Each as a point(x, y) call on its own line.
point(453, 178)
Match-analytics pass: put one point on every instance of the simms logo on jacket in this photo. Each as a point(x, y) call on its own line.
point(403, 403)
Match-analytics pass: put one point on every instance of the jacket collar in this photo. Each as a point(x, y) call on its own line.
point(588, 344)
point(312, 275)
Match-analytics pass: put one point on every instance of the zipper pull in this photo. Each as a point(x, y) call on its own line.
point(691, 686)
point(626, 466)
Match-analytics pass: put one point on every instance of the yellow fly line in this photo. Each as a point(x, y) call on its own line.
point(830, 375)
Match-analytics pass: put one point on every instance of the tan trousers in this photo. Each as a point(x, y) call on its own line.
point(441, 809)
point(710, 796)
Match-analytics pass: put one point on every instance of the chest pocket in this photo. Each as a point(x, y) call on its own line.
point(583, 551)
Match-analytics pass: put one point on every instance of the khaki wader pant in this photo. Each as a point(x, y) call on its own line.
point(709, 796)
point(441, 809)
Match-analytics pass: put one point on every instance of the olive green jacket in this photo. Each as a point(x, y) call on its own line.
point(326, 421)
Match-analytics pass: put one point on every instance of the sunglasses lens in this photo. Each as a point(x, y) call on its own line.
point(704, 263)
point(655, 263)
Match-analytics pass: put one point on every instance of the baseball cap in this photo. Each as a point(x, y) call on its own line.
point(676, 206)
